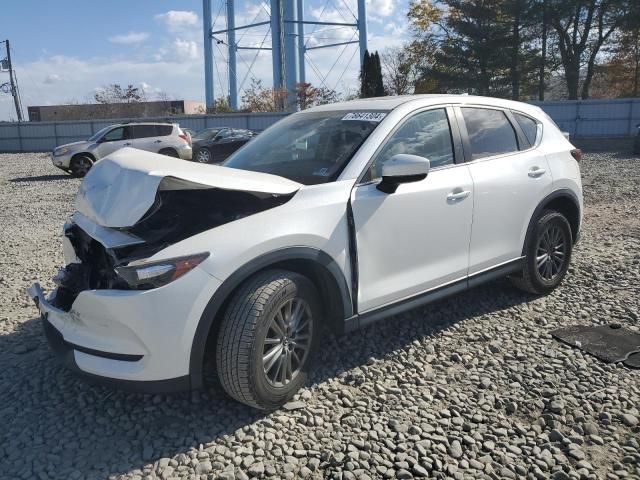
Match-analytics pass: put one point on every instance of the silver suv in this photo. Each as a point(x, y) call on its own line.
point(164, 138)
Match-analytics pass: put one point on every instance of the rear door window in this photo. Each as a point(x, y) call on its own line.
point(490, 132)
point(144, 131)
point(528, 126)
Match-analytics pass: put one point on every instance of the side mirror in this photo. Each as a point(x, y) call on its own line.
point(402, 168)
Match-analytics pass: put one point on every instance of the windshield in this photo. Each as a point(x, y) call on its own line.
point(307, 147)
point(96, 136)
point(205, 134)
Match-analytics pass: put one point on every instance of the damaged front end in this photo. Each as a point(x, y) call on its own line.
point(100, 261)
point(109, 239)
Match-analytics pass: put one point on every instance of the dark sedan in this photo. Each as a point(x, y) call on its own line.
point(214, 145)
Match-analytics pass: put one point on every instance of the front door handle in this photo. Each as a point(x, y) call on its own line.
point(536, 172)
point(458, 195)
point(127, 144)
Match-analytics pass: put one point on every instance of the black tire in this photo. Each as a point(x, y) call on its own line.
point(80, 165)
point(169, 152)
point(242, 340)
point(546, 261)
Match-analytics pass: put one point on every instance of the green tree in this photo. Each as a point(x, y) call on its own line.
point(471, 45)
point(583, 28)
point(371, 83)
point(486, 47)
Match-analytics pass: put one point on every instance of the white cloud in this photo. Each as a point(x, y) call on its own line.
point(129, 38)
point(52, 78)
point(380, 8)
point(186, 49)
point(175, 20)
point(179, 51)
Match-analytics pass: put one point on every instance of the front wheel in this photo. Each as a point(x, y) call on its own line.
point(80, 165)
point(547, 254)
point(267, 338)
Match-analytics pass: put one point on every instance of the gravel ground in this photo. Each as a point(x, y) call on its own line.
point(471, 387)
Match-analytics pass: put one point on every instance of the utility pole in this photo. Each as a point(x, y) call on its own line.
point(12, 83)
point(208, 55)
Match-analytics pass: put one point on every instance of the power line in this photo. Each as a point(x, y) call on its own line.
point(338, 58)
point(316, 70)
point(255, 57)
point(355, 50)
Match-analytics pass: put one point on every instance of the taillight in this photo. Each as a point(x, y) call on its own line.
point(577, 154)
point(186, 137)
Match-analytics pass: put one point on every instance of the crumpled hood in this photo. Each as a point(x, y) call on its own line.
point(120, 189)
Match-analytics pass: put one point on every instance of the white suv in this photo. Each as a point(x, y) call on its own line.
point(164, 138)
point(331, 219)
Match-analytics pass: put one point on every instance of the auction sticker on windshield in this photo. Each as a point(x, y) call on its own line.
point(365, 116)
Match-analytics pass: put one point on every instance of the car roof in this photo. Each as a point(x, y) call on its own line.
point(128, 124)
point(423, 100)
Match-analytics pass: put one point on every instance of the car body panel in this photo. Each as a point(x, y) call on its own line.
point(316, 218)
point(414, 239)
point(505, 197)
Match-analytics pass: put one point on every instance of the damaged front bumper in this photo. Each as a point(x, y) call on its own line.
point(129, 338)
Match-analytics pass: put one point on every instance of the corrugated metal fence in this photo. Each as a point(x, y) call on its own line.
point(615, 117)
point(44, 136)
point(581, 118)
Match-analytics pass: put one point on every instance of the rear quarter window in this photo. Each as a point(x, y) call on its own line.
point(163, 130)
point(528, 125)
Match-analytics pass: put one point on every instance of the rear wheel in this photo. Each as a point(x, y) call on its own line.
point(267, 339)
point(80, 165)
point(548, 253)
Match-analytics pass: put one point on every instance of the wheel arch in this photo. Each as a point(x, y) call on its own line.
point(83, 154)
point(168, 149)
point(314, 263)
point(564, 201)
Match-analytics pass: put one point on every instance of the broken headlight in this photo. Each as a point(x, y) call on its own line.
point(147, 275)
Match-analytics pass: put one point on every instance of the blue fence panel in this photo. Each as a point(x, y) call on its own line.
point(595, 118)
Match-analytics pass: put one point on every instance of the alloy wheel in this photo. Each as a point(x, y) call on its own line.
point(288, 342)
point(551, 252)
point(203, 156)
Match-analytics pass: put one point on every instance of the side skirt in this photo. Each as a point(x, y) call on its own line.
point(363, 319)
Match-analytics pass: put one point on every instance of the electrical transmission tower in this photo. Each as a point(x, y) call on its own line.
point(286, 28)
point(12, 84)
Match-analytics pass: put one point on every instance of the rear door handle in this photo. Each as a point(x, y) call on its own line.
point(127, 144)
point(536, 172)
point(157, 141)
point(458, 195)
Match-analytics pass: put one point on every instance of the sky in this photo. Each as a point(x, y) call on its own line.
point(64, 50)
